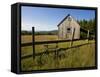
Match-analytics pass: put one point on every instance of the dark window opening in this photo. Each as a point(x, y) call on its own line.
point(68, 30)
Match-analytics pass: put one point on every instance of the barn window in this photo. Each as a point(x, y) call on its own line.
point(68, 30)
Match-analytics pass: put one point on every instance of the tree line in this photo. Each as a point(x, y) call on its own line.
point(53, 32)
point(87, 25)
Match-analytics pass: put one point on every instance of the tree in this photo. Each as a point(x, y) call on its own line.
point(88, 25)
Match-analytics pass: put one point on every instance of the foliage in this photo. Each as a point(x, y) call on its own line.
point(53, 32)
point(88, 25)
point(26, 33)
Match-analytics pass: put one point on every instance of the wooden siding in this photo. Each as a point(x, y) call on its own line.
point(62, 29)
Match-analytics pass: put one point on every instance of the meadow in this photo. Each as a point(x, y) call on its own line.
point(83, 56)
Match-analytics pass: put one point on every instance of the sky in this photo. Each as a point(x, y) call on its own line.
point(47, 19)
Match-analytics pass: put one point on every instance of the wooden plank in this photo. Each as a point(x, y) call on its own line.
point(72, 37)
point(88, 34)
point(61, 49)
point(52, 51)
point(49, 42)
point(85, 31)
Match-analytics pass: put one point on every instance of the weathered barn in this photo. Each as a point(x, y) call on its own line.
point(67, 27)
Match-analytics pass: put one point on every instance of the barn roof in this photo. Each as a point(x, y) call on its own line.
point(64, 19)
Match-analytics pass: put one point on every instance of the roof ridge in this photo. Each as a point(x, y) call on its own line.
point(64, 19)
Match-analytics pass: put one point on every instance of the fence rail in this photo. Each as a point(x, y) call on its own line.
point(86, 31)
point(52, 51)
point(57, 49)
point(49, 42)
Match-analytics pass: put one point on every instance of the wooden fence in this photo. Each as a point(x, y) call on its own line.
point(55, 50)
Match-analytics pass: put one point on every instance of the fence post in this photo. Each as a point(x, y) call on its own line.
point(72, 37)
point(33, 42)
point(46, 48)
point(56, 56)
point(88, 36)
point(57, 52)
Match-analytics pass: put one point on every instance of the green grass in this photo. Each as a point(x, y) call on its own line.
point(40, 48)
point(83, 56)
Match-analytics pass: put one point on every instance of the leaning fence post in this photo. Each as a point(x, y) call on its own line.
point(72, 37)
point(88, 36)
point(56, 56)
point(57, 52)
point(33, 42)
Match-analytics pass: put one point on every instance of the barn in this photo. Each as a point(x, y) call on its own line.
point(67, 27)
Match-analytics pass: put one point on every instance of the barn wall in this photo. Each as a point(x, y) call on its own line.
point(77, 29)
point(62, 30)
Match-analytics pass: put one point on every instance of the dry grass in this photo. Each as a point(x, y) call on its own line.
point(28, 38)
point(83, 56)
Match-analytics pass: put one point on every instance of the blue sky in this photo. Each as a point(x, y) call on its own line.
point(46, 19)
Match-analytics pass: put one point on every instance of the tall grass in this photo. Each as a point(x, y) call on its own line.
point(83, 56)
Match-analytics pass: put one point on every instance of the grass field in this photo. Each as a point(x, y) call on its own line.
point(83, 56)
point(28, 38)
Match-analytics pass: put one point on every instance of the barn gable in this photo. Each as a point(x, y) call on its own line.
point(66, 27)
point(68, 17)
